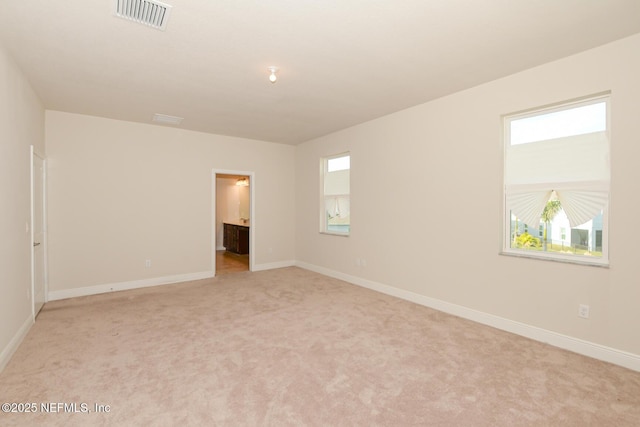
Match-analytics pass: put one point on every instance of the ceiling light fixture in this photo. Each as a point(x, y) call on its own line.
point(272, 76)
point(243, 182)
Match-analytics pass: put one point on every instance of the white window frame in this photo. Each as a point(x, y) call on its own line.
point(602, 261)
point(324, 162)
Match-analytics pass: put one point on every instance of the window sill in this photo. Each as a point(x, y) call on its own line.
point(334, 233)
point(595, 262)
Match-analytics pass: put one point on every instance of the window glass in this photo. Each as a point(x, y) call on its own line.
point(335, 215)
point(557, 179)
point(558, 124)
point(338, 164)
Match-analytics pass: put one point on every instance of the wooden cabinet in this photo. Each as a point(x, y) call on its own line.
point(236, 238)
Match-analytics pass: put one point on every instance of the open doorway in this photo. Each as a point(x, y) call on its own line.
point(233, 225)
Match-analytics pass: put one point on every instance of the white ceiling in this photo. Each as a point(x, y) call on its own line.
point(342, 62)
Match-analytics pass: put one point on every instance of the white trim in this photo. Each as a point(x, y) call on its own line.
point(32, 252)
point(34, 152)
point(45, 226)
point(274, 265)
point(335, 233)
point(596, 184)
point(214, 236)
point(576, 345)
point(567, 259)
point(123, 286)
point(324, 172)
point(252, 214)
point(563, 105)
point(15, 342)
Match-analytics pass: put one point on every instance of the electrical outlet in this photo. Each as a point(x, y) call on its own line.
point(147, 263)
point(583, 311)
point(361, 262)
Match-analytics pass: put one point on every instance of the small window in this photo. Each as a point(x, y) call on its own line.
point(335, 215)
point(556, 178)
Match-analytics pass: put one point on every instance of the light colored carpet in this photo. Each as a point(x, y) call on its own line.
point(290, 347)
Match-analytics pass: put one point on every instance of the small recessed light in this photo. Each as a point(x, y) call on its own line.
point(272, 76)
point(169, 120)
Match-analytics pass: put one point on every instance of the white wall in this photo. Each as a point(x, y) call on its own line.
point(21, 125)
point(426, 187)
point(122, 192)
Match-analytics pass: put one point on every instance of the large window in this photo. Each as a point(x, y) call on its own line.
point(335, 204)
point(557, 179)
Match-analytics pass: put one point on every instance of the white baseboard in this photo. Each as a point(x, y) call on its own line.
point(273, 265)
point(576, 345)
point(156, 281)
point(11, 348)
point(123, 286)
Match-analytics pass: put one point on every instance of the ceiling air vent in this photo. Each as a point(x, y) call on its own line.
point(151, 13)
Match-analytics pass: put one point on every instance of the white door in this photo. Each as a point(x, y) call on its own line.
point(38, 232)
